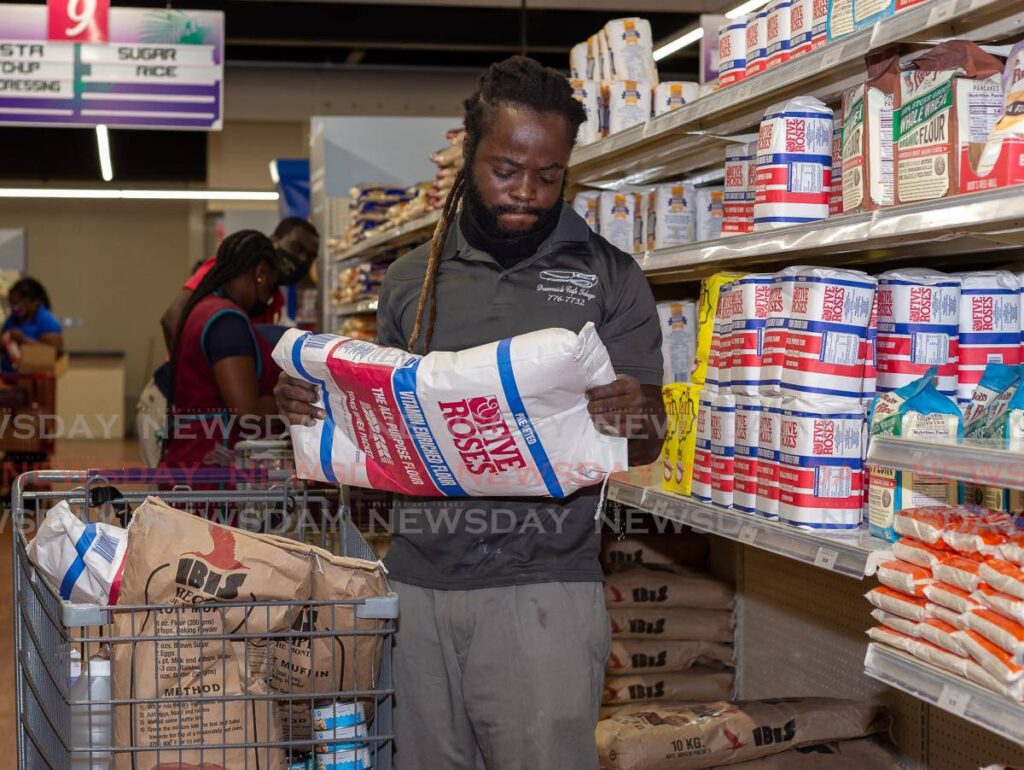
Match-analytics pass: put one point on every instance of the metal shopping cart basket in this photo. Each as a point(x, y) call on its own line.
point(270, 454)
point(285, 727)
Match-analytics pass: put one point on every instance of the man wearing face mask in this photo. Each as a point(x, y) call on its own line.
point(222, 374)
point(297, 244)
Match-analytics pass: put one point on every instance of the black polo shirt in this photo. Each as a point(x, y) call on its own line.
point(574, 277)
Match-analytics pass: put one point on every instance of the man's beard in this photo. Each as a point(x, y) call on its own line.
point(487, 218)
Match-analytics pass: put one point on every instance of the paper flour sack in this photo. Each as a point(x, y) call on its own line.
point(629, 104)
point(757, 43)
point(700, 487)
point(588, 206)
point(750, 302)
point(618, 213)
point(710, 212)
point(588, 93)
point(632, 49)
point(507, 418)
point(732, 52)
point(740, 185)
point(769, 446)
point(779, 32)
point(678, 322)
point(671, 95)
point(989, 326)
point(748, 423)
point(723, 448)
point(672, 216)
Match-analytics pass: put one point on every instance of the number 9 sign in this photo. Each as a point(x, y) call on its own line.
point(78, 20)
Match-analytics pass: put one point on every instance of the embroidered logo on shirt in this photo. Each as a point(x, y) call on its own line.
point(567, 286)
point(582, 280)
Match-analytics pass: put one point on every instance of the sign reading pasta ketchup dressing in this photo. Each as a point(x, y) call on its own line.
point(82, 63)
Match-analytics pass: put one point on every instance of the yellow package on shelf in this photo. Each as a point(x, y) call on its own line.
point(709, 289)
point(681, 403)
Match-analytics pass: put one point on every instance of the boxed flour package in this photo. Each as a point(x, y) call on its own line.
point(868, 139)
point(916, 411)
point(949, 97)
point(835, 195)
point(1000, 162)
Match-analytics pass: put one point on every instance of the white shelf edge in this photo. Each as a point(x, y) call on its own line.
point(354, 308)
point(853, 555)
point(964, 462)
point(946, 691)
point(382, 241)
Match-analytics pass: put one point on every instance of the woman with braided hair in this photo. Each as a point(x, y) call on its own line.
point(503, 634)
point(222, 374)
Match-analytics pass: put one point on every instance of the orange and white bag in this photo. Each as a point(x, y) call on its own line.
point(915, 552)
point(945, 595)
point(1013, 549)
point(960, 571)
point(892, 638)
point(1004, 576)
point(905, 577)
point(982, 536)
point(1005, 633)
point(978, 674)
point(897, 603)
point(925, 524)
point(996, 661)
point(1008, 606)
point(947, 615)
point(937, 656)
point(896, 623)
point(941, 634)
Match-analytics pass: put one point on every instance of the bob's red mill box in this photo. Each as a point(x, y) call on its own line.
point(949, 97)
point(867, 177)
point(186, 656)
point(1000, 163)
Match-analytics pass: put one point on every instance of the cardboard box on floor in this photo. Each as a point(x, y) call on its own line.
point(40, 358)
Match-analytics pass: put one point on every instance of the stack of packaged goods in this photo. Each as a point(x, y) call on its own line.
point(368, 208)
point(449, 162)
point(415, 207)
point(671, 621)
point(954, 594)
point(614, 75)
point(360, 282)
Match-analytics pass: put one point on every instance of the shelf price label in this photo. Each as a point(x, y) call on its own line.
point(826, 558)
point(953, 700)
point(748, 534)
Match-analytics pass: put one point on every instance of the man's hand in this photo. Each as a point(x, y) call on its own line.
point(628, 409)
point(295, 399)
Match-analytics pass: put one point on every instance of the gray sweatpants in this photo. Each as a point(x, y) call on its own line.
point(499, 678)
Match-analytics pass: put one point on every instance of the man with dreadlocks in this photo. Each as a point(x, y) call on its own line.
point(503, 635)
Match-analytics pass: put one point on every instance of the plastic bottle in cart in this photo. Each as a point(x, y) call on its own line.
point(91, 716)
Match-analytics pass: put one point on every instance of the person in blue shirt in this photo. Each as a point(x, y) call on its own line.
point(30, 319)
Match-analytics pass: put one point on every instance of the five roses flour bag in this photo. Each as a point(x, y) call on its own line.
point(507, 418)
point(191, 565)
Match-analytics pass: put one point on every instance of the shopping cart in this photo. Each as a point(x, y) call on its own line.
point(273, 455)
point(49, 632)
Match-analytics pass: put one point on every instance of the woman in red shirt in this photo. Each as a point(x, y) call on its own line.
point(222, 374)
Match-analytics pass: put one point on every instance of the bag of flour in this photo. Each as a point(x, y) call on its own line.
point(696, 684)
point(660, 588)
point(639, 656)
point(507, 418)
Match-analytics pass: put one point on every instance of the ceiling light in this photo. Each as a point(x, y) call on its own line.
point(680, 42)
point(748, 7)
point(140, 195)
point(103, 142)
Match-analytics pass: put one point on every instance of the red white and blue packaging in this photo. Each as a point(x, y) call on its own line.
point(779, 33)
point(750, 301)
point(808, 26)
point(769, 427)
point(732, 52)
point(918, 328)
point(701, 487)
point(827, 333)
point(757, 43)
point(723, 449)
point(504, 419)
point(740, 184)
point(821, 467)
point(794, 164)
point(719, 369)
point(989, 326)
point(780, 300)
point(745, 469)
point(869, 388)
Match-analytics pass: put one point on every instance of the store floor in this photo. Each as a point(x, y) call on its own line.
point(70, 455)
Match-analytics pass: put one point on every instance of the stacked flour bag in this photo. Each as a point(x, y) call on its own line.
point(918, 328)
point(778, 33)
point(989, 326)
point(995, 418)
point(774, 734)
point(808, 26)
point(621, 219)
point(588, 93)
point(673, 94)
point(634, 75)
point(368, 206)
point(822, 423)
point(449, 161)
point(918, 410)
point(587, 204)
point(671, 215)
point(678, 321)
point(740, 187)
point(794, 164)
point(507, 418)
point(710, 212)
point(757, 43)
point(671, 621)
point(682, 404)
point(732, 52)
point(954, 594)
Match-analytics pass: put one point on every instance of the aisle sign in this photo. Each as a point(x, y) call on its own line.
point(84, 64)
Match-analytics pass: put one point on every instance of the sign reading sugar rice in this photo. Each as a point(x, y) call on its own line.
point(159, 68)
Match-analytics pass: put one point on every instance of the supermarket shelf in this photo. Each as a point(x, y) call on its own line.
point(965, 462)
point(985, 222)
point(853, 555)
point(695, 135)
point(354, 308)
point(391, 238)
point(946, 691)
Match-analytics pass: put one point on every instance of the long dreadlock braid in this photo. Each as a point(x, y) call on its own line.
point(517, 80)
